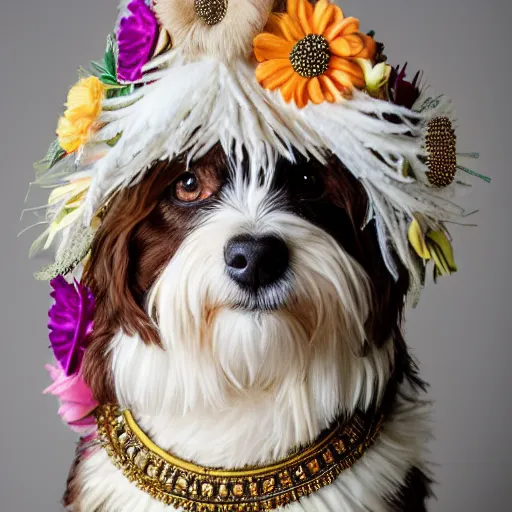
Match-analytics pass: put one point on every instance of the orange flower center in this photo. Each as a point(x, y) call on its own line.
point(310, 56)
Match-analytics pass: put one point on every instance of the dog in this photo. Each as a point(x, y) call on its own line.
point(239, 314)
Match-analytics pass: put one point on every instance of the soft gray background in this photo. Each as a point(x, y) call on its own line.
point(461, 332)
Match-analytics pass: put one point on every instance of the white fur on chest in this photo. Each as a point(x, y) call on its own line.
point(366, 486)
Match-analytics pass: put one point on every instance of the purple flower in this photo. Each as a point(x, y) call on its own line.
point(136, 39)
point(405, 93)
point(70, 322)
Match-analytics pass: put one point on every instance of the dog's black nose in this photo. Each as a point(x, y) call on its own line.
point(256, 261)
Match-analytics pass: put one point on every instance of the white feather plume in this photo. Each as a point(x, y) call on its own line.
point(186, 107)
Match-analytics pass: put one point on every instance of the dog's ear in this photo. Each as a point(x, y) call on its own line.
point(139, 234)
point(111, 275)
point(388, 295)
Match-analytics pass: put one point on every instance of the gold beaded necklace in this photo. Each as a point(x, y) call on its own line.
point(179, 483)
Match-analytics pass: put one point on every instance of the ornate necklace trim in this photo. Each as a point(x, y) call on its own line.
point(179, 483)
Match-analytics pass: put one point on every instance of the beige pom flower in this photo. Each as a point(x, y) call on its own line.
point(226, 33)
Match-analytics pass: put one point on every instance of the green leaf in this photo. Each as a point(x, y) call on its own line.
point(125, 91)
point(112, 142)
point(108, 79)
point(54, 154)
point(110, 55)
point(98, 69)
point(106, 71)
point(119, 91)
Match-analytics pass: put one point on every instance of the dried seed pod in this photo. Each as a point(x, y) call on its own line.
point(212, 12)
point(441, 145)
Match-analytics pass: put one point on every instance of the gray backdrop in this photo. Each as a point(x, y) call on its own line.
point(460, 333)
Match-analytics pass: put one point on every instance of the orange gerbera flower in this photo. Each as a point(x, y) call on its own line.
point(309, 53)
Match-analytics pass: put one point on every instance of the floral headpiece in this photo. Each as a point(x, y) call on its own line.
point(273, 78)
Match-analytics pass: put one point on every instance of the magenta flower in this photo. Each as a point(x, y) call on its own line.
point(70, 322)
point(136, 38)
point(76, 399)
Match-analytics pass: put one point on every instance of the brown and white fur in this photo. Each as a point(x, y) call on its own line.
point(228, 375)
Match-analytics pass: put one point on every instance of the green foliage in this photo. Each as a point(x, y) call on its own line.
point(119, 90)
point(54, 154)
point(112, 142)
point(106, 71)
point(78, 247)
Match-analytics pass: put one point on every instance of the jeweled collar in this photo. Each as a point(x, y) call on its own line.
point(176, 482)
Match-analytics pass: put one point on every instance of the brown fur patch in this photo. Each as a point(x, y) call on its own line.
point(388, 296)
point(141, 231)
point(73, 487)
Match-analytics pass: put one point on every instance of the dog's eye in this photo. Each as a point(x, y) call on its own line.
point(188, 188)
point(307, 183)
point(309, 180)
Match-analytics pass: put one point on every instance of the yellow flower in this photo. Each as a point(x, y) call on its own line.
point(442, 253)
point(73, 193)
point(429, 244)
point(417, 240)
point(83, 110)
point(70, 199)
point(73, 135)
point(310, 53)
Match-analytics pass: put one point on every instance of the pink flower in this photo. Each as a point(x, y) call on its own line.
point(76, 399)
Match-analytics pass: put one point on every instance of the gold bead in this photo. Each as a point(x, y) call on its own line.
point(141, 459)
point(152, 471)
point(123, 438)
point(300, 474)
point(269, 485)
point(164, 474)
point(223, 491)
point(339, 446)
point(238, 490)
point(253, 489)
point(207, 490)
point(131, 451)
point(328, 458)
point(313, 466)
point(285, 479)
point(181, 485)
point(194, 489)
